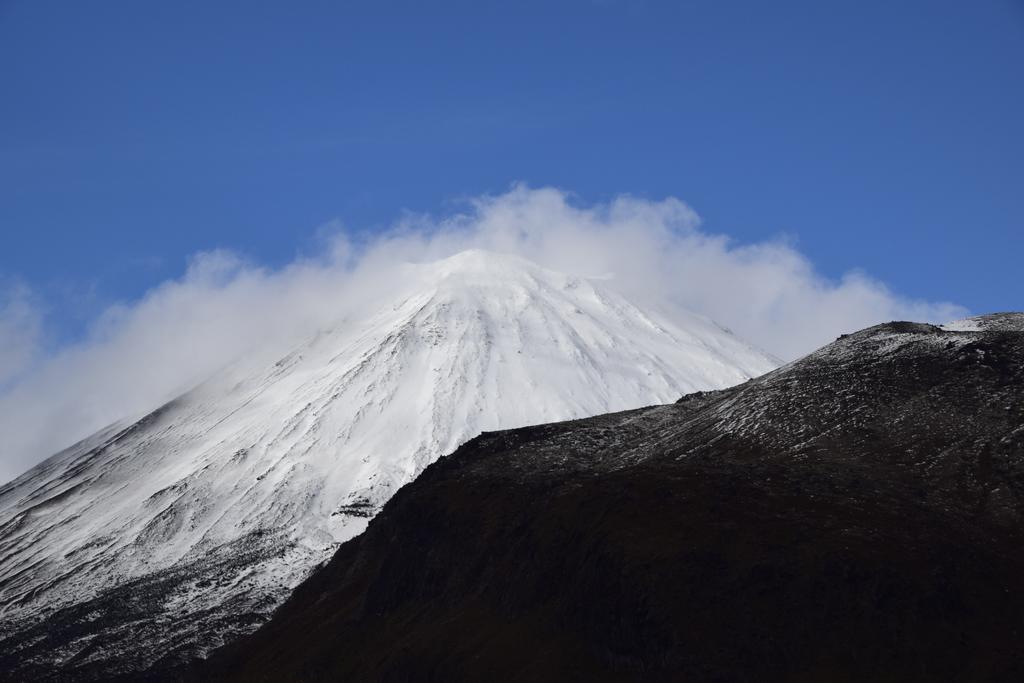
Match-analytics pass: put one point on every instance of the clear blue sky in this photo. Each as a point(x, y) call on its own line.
point(882, 135)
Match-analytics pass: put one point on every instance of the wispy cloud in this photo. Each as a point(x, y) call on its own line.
point(142, 353)
point(21, 324)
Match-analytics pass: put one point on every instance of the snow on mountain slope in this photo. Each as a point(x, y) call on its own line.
point(214, 506)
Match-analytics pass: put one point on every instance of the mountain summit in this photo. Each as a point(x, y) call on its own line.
point(202, 516)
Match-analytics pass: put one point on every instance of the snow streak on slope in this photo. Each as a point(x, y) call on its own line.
point(233, 492)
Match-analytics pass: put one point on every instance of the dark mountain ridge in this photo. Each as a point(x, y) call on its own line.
point(853, 515)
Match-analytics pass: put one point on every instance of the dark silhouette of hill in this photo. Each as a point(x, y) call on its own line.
point(855, 515)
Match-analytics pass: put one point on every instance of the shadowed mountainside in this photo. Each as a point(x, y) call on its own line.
point(853, 515)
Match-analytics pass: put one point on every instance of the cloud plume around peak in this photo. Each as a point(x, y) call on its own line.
point(142, 353)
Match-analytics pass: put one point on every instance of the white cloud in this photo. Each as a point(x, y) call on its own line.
point(142, 353)
point(21, 323)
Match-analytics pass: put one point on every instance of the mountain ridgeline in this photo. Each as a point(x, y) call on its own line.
point(855, 515)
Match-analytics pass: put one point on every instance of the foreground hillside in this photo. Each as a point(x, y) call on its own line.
point(856, 515)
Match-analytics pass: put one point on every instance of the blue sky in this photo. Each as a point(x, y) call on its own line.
point(883, 136)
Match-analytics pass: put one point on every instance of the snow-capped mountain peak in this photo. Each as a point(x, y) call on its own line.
point(217, 504)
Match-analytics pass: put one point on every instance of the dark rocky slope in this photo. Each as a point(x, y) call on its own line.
point(856, 515)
